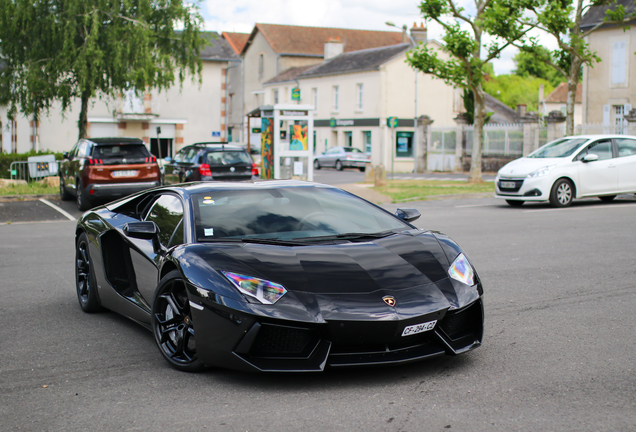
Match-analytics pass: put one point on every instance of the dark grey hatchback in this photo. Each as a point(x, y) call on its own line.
point(209, 162)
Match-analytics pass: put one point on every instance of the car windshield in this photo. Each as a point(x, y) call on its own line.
point(120, 151)
point(294, 214)
point(228, 157)
point(558, 149)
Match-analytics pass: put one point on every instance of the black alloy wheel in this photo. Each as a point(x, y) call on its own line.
point(83, 202)
point(515, 203)
point(607, 198)
point(64, 195)
point(338, 165)
point(562, 193)
point(85, 277)
point(362, 169)
point(317, 164)
point(172, 324)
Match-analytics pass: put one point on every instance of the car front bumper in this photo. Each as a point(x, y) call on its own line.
point(526, 189)
point(229, 334)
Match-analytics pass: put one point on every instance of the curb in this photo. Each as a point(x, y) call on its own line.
point(13, 198)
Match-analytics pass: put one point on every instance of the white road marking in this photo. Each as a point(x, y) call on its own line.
point(600, 206)
point(54, 207)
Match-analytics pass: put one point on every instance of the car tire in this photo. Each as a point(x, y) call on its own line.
point(83, 203)
point(362, 169)
point(85, 282)
point(64, 195)
point(607, 198)
point(515, 203)
point(172, 324)
point(317, 165)
point(562, 193)
point(339, 165)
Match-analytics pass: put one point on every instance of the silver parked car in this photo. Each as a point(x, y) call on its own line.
point(342, 157)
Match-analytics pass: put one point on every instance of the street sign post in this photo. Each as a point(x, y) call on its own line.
point(392, 122)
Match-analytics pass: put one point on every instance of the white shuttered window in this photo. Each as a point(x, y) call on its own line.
point(619, 62)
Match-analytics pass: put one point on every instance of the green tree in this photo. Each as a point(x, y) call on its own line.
point(64, 50)
point(562, 20)
point(467, 52)
point(514, 90)
point(530, 65)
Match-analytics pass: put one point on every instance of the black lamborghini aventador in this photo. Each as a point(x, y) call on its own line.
point(277, 276)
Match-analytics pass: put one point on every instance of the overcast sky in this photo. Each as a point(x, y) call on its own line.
point(241, 15)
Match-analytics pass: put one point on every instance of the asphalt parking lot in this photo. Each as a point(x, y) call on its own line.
point(559, 351)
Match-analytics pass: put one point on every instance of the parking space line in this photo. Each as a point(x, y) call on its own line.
point(54, 207)
point(600, 206)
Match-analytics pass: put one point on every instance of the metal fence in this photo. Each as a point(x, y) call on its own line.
point(33, 171)
point(499, 140)
point(441, 149)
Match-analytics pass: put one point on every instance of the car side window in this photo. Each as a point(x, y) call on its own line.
point(73, 151)
point(180, 156)
point(167, 213)
point(626, 147)
point(82, 149)
point(603, 149)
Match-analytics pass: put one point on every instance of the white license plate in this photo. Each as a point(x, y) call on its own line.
point(507, 185)
point(419, 328)
point(125, 173)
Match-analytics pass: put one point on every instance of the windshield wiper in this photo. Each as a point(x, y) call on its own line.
point(352, 236)
point(273, 241)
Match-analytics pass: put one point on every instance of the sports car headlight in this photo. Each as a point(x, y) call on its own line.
point(262, 290)
point(462, 271)
point(541, 171)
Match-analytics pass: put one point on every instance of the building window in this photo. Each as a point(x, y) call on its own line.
point(335, 98)
point(360, 98)
point(229, 134)
point(619, 120)
point(619, 62)
point(366, 135)
point(261, 65)
point(275, 96)
point(403, 144)
point(315, 98)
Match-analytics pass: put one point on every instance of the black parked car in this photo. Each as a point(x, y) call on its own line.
point(209, 161)
point(277, 276)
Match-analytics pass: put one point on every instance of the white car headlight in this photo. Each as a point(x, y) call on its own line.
point(262, 290)
point(462, 271)
point(541, 171)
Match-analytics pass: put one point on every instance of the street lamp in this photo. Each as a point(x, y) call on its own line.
point(392, 24)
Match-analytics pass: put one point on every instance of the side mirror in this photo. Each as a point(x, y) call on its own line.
point(141, 230)
point(146, 231)
point(590, 158)
point(408, 215)
point(65, 155)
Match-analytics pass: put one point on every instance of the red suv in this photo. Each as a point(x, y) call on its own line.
point(106, 168)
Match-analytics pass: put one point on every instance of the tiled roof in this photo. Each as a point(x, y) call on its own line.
point(596, 14)
point(560, 94)
point(219, 49)
point(288, 74)
point(236, 40)
point(310, 41)
point(502, 113)
point(357, 61)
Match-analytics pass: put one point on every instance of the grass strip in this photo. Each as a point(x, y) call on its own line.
point(412, 190)
point(29, 189)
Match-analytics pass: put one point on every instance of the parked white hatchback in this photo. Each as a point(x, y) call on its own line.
point(571, 167)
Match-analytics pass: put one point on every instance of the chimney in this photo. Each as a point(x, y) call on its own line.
point(521, 110)
point(333, 47)
point(419, 34)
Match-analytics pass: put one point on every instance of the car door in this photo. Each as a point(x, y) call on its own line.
point(599, 176)
point(626, 164)
point(66, 169)
point(331, 155)
point(167, 212)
